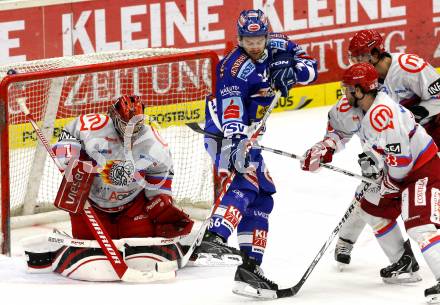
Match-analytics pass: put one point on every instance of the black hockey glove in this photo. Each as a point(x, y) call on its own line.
point(370, 166)
point(282, 72)
point(419, 112)
point(236, 149)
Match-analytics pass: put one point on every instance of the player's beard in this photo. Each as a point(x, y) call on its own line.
point(255, 54)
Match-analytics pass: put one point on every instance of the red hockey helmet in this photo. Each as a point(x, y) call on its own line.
point(123, 110)
point(363, 75)
point(364, 41)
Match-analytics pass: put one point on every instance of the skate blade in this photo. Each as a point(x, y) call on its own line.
point(433, 299)
point(341, 266)
point(404, 278)
point(225, 260)
point(247, 290)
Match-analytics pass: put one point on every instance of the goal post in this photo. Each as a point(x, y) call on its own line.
point(173, 84)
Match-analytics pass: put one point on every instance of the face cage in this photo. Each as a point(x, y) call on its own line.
point(121, 125)
point(359, 59)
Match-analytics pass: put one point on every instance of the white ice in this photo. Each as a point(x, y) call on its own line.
point(307, 208)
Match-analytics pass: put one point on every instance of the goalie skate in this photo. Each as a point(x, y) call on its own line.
point(404, 270)
point(213, 251)
point(251, 282)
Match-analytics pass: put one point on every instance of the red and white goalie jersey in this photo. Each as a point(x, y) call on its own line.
point(123, 171)
point(386, 128)
point(412, 81)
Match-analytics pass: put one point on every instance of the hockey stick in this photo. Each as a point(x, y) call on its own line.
point(325, 165)
point(288, 292)
point(196, 127)
point(227, 182)
point(125, 273)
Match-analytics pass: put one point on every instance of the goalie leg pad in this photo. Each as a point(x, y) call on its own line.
point(40, 254)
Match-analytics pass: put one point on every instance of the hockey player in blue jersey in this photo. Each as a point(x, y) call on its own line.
point(246, 77)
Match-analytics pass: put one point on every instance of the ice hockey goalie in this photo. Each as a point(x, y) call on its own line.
point(123, 168)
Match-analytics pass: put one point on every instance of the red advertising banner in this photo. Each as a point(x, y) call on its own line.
point(35, 30)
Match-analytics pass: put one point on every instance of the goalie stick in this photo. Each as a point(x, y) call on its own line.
point(196, 127)
point(125, 273)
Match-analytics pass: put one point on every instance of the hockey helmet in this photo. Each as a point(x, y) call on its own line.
point(123, 110)
point(363, 75)
point(252, 23)
point(364, 42)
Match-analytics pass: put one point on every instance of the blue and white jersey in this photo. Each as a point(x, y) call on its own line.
point(243, 90)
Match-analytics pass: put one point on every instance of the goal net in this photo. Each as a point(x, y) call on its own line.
point(173, 83)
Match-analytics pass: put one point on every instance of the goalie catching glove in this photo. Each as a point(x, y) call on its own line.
point(168, 220)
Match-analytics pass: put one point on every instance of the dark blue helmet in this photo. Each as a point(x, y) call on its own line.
point(252, 23)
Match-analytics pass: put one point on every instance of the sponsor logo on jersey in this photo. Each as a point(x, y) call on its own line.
point(65, 135)
point(232, 108)
point(420, 192)
point(246, 70)
point(232, 217)
point(435, 205)
point(393, 148)
point(237, 64)
point(434, 88)
point(278, 36)
point(230, 91)
point(381, 118)
point(279, 44)
point(259, 240)
point(411, 63)
point(233, 128)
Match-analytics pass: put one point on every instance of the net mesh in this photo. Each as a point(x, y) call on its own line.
point(173, 89)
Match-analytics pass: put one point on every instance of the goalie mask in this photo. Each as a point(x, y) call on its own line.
point(125, 112)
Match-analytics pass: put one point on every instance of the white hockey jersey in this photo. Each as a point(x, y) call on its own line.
point(386, 128)
point(122, 172)
point(411, 80)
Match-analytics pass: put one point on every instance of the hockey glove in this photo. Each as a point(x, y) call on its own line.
point(168, 220)
point(370, 165)
point(282, 72)
point(419, 112)
point(236, 150)
point(321, 152)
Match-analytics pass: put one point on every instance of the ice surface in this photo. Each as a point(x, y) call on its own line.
point(307, 208)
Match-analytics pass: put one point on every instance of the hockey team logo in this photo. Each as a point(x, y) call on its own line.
point(93, 121)
point(118, 172)
point(259, 240)
point(411, 63)
point(253, 27)
point(344, 107)
point(381, 118)
point(232, 217)
point(420, 192)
